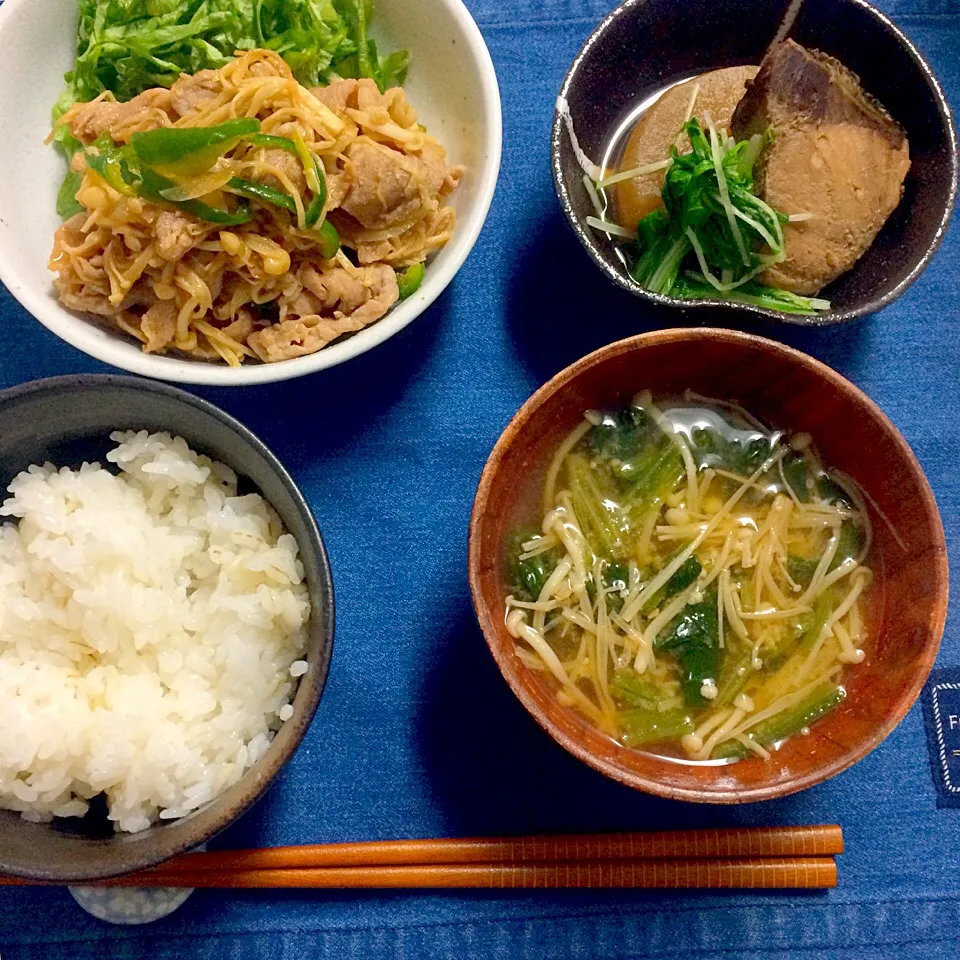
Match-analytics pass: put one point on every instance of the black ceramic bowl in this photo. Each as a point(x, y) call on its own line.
point(645, 45)
point(67, 420)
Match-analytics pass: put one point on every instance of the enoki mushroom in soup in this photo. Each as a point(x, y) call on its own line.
point(695, 582)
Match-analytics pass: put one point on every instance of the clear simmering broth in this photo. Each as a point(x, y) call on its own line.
point(695, 583)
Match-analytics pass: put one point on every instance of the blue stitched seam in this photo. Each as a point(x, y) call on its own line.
point(790, 951)
point(702, 953)
point(454, 925)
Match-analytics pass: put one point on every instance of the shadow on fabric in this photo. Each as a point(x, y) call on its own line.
point(560, 307)
point(339, 404)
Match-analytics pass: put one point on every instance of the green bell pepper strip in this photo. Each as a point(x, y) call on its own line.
point(260, 191)
point(196, 147)
point(203, 211)
point(409, 281)
point(328, 239)
point(270, 142)
point(152, 185)
point(316, 180)
point(110, 164)
point(314, 209)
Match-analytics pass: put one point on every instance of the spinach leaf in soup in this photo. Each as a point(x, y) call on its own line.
point(642, 717)
point(603, 522)
point(768, 733)
point(630, 689)
point(694, 638)
point(616, 578)
point(685, 575)
point(798, 476)
point(526, 578)
point(851, 541)
point(831, 492)
point(643, 461)
point(740, 455)
point(620, 436)
point(802, 569)
point(642, 727)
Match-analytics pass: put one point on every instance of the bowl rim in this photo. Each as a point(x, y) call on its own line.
point(492, 628)
point(89, 338)
point(829, 318)
point(324, 629)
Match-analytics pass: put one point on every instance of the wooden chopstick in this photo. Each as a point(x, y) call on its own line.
point(760, 874)
point(738, 858)
point(744, 843)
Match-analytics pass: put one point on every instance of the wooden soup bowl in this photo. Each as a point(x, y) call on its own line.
point(789, 390)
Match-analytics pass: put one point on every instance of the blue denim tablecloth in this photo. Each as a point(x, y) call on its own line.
point(417, 734)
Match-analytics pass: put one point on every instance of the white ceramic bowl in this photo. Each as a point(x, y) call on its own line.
point(452, 83)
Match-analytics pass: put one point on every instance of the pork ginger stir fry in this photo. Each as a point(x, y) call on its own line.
point(216, 214)
point(698, 581)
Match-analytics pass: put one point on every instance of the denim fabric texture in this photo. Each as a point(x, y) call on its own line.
point(417, 734)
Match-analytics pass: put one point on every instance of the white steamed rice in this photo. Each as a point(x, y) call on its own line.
point(152, 629)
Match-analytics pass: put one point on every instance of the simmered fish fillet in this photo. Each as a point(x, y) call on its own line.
point(836, 155)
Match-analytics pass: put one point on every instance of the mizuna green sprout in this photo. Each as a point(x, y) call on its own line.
point(713, 236)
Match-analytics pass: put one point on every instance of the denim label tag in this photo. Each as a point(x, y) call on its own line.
point(941, 713)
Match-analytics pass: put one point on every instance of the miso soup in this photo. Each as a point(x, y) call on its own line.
point(695, 582)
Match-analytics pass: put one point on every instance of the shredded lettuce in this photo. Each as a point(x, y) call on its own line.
point(128, 46)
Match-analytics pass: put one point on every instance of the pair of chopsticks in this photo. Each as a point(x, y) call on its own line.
point(751, 858)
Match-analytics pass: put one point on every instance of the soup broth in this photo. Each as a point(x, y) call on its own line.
point(696, 583)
